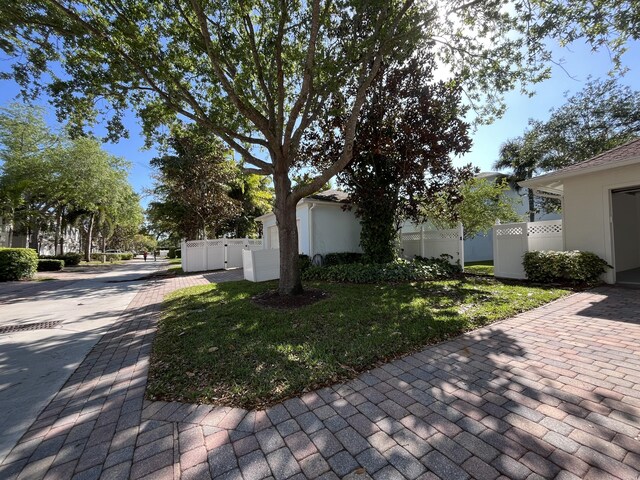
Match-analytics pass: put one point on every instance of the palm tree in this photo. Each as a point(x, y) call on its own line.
point(520, 156)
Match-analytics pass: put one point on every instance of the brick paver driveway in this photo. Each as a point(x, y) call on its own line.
point(552, 393)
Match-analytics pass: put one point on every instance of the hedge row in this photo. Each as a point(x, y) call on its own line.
point(69, 259)
point(50, 265)
point(111, 257)
point(397, 271)
point(573, 267)
point(17, 263)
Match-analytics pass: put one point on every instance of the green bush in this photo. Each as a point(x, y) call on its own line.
point(398, 271)
point(443, 262)
point(126, 256)
point(342, 258)
point(69, 259)
point(174, 252)
point(109, 257)
point(17, 263)
point(304, 262)
point(573, 267)
point(50, 265)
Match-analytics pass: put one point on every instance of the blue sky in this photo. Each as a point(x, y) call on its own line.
point(579, 64)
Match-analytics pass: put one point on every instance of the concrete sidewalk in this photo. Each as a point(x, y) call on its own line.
point(551, 393)
point(73, 315)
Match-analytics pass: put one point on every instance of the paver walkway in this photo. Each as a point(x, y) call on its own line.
point(63, 319)
point(551, 393)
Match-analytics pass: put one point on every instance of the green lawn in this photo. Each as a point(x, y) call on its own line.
point(175, 261)
point(214, 345)
point(484, 267)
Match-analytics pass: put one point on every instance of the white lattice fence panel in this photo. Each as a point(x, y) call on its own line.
point(510, 230)
point(410, 247)
point(545, 235)
point(254, 244)
point(194, 255)
point(441, 235)
point(509, 245)
point(215, 254)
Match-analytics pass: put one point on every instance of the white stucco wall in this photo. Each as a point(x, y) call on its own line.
point(587, 207)
point(334, 230)
point(270, 231)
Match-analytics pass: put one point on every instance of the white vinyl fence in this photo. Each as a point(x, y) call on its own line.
point(215, 254)
point(512, 240)
point(261, 265)
point(433, 243)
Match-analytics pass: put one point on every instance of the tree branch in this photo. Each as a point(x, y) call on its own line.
point(307, 80)
point(302, 191)
point(248, 110)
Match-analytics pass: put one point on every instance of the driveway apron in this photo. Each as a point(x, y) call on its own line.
point(550, 393)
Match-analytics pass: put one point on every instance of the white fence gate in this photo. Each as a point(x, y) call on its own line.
point(215, 254)
point(512, 240)
point(433, 243)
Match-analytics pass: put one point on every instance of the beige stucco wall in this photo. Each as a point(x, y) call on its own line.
point(586, 210)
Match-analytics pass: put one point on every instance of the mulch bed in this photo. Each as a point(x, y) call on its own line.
point(273, 299)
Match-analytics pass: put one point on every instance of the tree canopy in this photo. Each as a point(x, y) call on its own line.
point(603, 115)
point(201, 192)
point(481, 203)
point(49, 181)
point(408, 129)
point(258, 73)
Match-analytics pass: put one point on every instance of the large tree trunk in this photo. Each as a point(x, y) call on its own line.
point(285, 210)
point(87, 247)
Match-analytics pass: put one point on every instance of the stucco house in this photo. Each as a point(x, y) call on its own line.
point(324, 226)
point(601, 208)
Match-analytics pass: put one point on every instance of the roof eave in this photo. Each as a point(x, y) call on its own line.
point(552, 180)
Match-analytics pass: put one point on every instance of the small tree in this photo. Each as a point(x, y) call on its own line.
point(522, 156)
point(479, 205)
point(194, 184)
point(407, 130)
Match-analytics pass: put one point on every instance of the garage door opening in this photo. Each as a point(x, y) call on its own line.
point(626, 234)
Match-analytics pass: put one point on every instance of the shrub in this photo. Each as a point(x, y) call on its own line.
point(443, 262)
point(70, 259)
point(109, 257)
point(342, 258)
point(573, 267)
point(17, 263)
point(397, 271)
point(50, 265)
point(174, 252)
point(304, 262)
point(126, 256)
